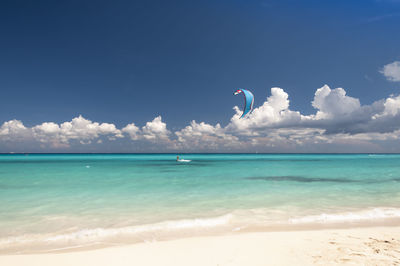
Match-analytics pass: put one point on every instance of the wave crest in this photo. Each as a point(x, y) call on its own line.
point(365, 215)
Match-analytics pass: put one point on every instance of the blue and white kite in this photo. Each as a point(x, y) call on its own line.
point(248, 101)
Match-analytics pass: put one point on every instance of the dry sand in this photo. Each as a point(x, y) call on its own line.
point(358, 246)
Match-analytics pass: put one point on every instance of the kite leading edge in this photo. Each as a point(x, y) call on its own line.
point(248, 101)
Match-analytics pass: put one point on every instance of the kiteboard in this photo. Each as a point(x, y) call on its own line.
point(184, 161)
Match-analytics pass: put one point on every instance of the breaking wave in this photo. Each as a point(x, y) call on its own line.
point(357, 216)
point(238, 220)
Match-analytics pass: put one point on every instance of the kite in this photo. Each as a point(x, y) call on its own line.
point(248, 101)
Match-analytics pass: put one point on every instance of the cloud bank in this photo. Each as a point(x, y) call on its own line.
point(340, 124)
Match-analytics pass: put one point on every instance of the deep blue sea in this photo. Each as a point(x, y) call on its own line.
point(63, 201)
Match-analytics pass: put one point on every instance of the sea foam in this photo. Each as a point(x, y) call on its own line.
point(135, 233)
point(363, 215)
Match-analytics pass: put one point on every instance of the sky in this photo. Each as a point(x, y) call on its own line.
point(159, 76)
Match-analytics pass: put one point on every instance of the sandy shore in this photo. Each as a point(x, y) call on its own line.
point(358, 246)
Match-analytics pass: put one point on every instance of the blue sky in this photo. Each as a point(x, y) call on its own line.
point(125, 62)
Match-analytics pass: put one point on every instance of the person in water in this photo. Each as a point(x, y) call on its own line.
point(177, 158)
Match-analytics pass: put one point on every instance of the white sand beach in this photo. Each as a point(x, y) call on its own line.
point(356, 246)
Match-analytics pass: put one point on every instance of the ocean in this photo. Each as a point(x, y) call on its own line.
point(57, 202)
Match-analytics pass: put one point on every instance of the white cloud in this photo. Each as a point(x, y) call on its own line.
point(340, 123)
point(132, 130)
point(275, 111)
point(202, 136)
point(392, 71)
point(155, 130)
point(13, 130)
point(80, 129)
point(336, 113)
point(333, 103)
point(83, 129)
point(49, 132)
point(391, 107)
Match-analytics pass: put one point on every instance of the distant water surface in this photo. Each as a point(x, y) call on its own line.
point(61, 201)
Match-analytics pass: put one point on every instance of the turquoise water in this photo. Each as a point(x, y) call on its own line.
point(56, 201)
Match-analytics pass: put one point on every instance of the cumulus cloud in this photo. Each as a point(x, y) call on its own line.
point(392, 71)
point(333, 103)
point(84, 129)
point(340, 123)
point(132, 130)
point(391, 107)
point(205, 136)
point(339, 119)
point(13, 130)
point(381, 116)
point(155, 130)
point(336, 112)
point(274, 112)
point(79, 129)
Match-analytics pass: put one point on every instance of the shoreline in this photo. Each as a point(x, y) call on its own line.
point(170, 231)
point(367, 245)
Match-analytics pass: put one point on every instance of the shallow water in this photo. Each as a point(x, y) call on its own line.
point(51, 201)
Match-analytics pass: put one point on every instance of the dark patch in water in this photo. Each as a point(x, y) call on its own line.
point(246, 160)
point(302, 179)
point(290, 160)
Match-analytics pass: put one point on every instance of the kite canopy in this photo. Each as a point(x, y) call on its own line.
point(248, 101)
